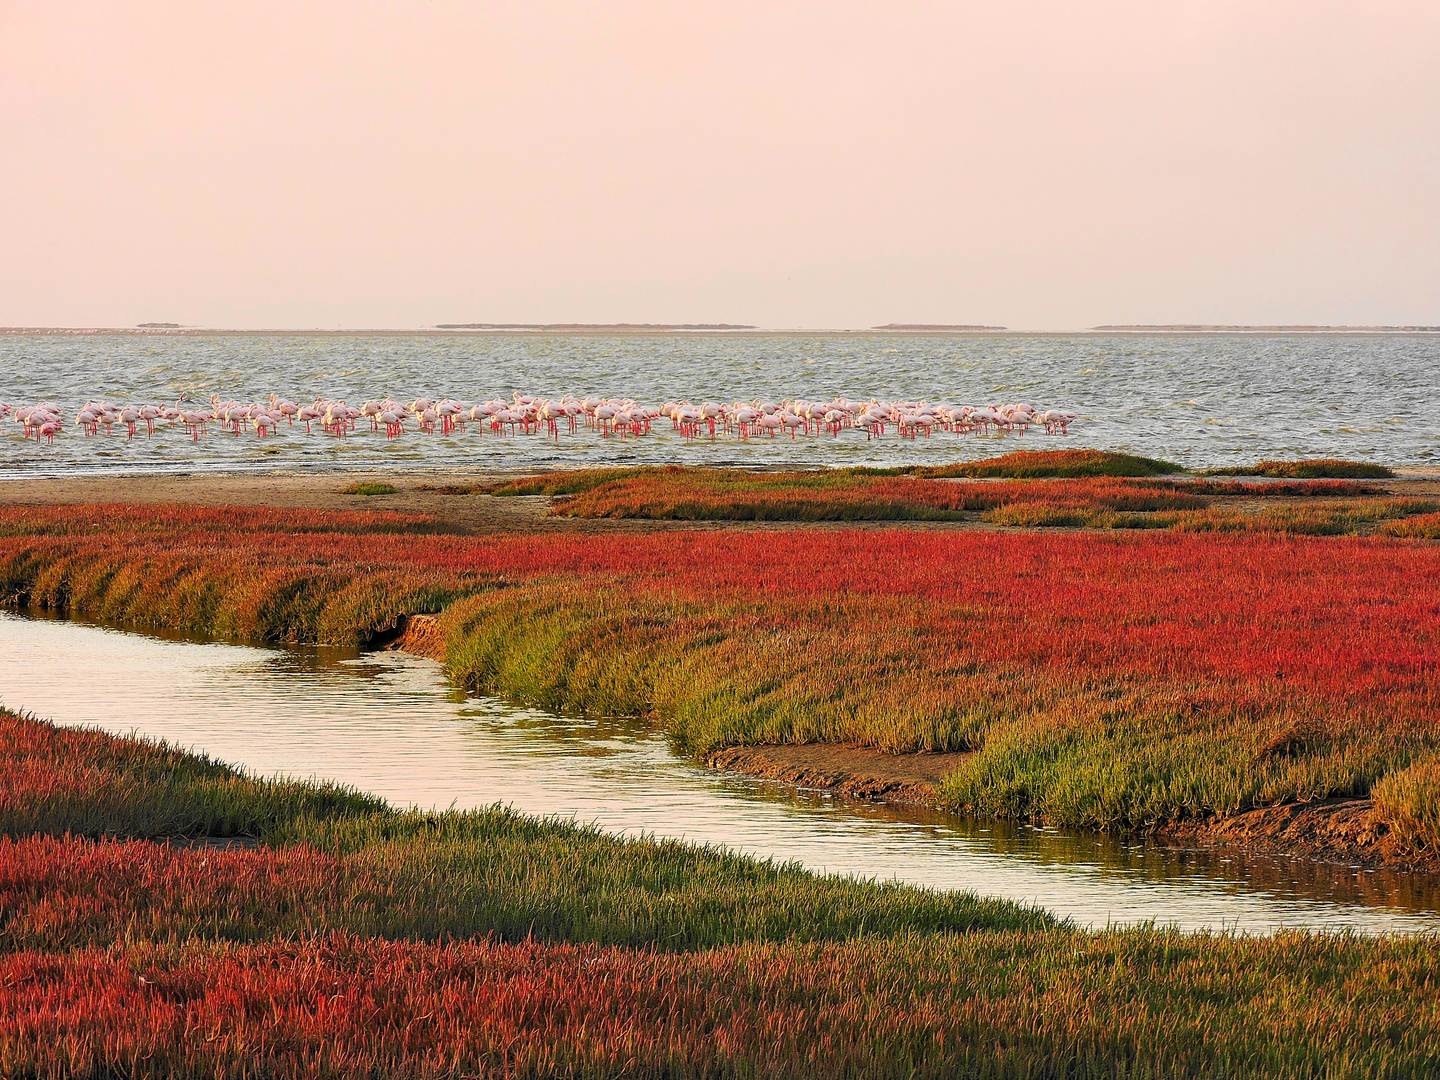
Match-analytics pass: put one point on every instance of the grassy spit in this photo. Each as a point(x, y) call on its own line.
point(1108, 681)
point(357, 941)
point(1022, 464)
point(1055, 463)
point(734, 495)
point(695, 494)
point(1310, 469)
point(1113, 491)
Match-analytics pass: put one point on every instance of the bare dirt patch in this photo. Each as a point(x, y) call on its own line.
point(423, 636)
point(1328, 830)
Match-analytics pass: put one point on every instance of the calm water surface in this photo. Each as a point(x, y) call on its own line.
point(1201, 400)
point(388, 723)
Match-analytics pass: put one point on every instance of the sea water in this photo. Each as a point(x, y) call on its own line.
point(1202, 400)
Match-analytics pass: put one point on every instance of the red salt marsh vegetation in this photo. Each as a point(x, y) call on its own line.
point(355, 941)
point(1109, 680)
point(1139, 1003)
point(1116, 679)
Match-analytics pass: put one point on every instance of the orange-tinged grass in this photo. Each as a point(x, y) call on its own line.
point(1418, 527)
point(1409, 801)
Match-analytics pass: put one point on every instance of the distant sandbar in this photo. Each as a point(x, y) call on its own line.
point(593, 326)
point(936, 326)
point(1218, 328)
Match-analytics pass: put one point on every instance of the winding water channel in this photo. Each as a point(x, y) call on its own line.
point(389, 723)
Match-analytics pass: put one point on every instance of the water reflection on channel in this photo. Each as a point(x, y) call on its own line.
point(388, 723)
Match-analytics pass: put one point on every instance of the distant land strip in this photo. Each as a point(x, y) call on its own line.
point(1298, 328)
point(317, 331)
point(593, 326)
point(933, 326)
point(168, 329)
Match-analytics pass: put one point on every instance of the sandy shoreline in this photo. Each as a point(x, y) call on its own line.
point(419, 493)
point(293, 491)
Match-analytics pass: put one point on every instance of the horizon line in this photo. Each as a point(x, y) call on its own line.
point(738, 329)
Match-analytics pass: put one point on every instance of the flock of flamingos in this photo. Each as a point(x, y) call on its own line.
point(529, 415)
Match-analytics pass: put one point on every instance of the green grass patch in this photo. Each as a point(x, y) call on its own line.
point(86, 783)
point(1392, 516)
point(1036, 465)
point(1060, 464)
point(1311, 469)
point(370, 488)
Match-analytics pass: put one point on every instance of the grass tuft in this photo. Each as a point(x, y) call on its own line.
point(1409, 802)
point(1029, 464)
point(1311, 469)
point(369, 488)
point(1422, 526)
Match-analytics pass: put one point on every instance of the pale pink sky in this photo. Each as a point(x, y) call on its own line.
point(1033, 164)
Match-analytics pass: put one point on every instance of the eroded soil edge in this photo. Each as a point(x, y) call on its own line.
point(848, 772)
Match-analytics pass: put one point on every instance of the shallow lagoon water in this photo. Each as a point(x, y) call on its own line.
point(1199, 399)
point(389, 723)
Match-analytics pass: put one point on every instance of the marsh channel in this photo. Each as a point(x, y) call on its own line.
point(391, 724)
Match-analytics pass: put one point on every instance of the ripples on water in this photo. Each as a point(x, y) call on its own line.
point(1201, 400)
point(389, 724)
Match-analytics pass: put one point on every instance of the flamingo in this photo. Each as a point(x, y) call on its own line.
point(529, 414)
